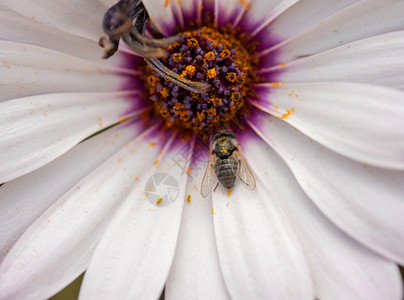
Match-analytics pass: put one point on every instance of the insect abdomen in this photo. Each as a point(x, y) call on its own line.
point(226, 170)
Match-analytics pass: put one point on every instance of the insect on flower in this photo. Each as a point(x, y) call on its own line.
point(226, 164)
point(127, 20)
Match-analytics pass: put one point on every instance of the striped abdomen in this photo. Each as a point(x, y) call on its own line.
point(226, 170)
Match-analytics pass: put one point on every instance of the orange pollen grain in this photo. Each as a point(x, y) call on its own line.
point(166, 3)
point(189, 198)
point(209, 56)
point(200, 115)
point(177, 57)
point(231, 77)
point(153, 81)
point(212, 112)
point(192, 43)
point(178, 107)
point(216, 101)
point(287, 114)
point(165, 112)
point(165, 92)
point(211, 73)
point(245, 4)
point(277, 84)
point(190, 70)
point(225, 54)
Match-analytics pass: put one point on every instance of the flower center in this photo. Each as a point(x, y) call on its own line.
point(206, 56)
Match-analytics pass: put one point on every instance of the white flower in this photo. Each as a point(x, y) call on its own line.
point(326, 145)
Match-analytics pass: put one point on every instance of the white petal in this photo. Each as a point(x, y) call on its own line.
point(58, 246)
point(229, 11)
point(292, 21)
point(341, 268)
point(361, 20)
point(195, 273)
point(259, 253)
point(82, 18)
point(24, 199)
point(36, 130)
point(133, 258)
point(19, 28)
point(375, 60)
point(27, 70)
point(365, 202)
point(360, 121)
point(262, 13)
point(161, 15)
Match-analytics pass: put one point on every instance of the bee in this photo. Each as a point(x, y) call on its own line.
point(226, 164)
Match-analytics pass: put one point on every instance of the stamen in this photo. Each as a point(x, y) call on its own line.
point(163, 71)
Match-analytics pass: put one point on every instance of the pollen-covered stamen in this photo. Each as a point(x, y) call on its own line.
point(213, 59)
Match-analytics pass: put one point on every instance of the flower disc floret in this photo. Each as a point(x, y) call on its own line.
point(206, 56)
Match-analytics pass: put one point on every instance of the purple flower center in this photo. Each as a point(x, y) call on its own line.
point(206, 56)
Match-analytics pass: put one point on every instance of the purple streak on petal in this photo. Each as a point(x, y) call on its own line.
point(169, 28)
point(192, 15)
point(132, 85)
point(138, 104)
point(245, 136)
point(273, 74)
point(266, 37)
point(249, 24)
point(208, 9)
point(233, 18)
point(267, 61)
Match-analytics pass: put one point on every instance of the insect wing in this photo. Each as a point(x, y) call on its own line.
point(244, 172)
point(209, 179)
